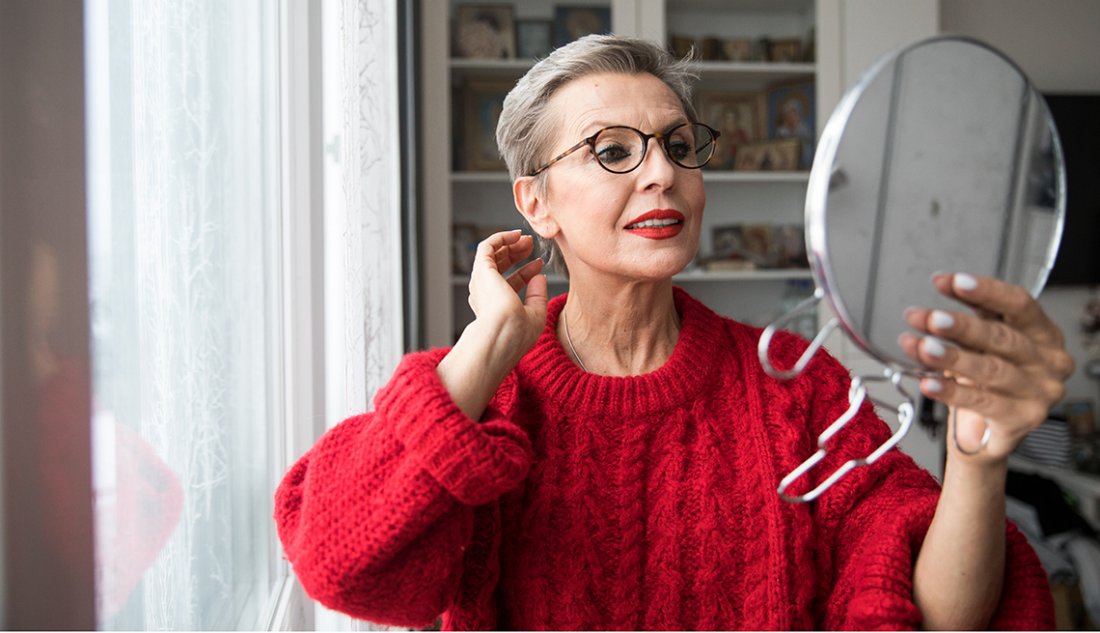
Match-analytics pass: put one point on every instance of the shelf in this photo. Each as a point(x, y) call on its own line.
point(701, 276)
point(488, 68)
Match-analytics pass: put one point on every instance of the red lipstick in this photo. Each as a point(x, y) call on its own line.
point(658, 224)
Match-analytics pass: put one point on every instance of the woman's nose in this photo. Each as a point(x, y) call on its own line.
point(657, 169)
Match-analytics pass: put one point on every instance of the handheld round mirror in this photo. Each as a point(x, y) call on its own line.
point(943, 157)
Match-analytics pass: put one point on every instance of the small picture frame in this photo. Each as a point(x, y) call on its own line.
point(681, 45)
point(775, 155)
point(739, 50)
point(574, 22)
point(782, 155)
point(738, 117)
point(790, 243)
point(792, 114)
point(758, 245)
point(750, 157)
point(785, 50)
point(482, 104)
point(752, 244)
point(534, 38)
point(485, 31)
point(464, 241)
point(725, 241)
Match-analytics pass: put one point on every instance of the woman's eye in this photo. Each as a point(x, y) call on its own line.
point(609, 154)
point(679, 150)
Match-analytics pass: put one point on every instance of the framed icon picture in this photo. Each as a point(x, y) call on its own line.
point(482, 104)
point(791, 115)
point(573, 23)
point(534, 38)
point(738, 116)
point(485, 32)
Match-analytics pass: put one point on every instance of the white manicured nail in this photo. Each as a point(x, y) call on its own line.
point(933, 385)
point(933, 346)
point(964, 281)
point(942, 320)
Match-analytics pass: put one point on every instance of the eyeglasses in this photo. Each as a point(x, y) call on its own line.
point(620, 148)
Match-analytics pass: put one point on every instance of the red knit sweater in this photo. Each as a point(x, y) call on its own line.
point(583, 501)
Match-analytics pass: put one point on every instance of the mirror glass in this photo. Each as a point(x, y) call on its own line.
point(943, 157)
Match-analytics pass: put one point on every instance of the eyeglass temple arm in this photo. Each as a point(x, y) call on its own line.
point(562, 155)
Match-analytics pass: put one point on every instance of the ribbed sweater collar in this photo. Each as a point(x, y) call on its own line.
point(566, 387)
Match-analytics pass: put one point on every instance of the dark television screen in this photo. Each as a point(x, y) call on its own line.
point(1077, 117)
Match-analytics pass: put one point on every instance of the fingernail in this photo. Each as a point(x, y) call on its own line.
point(937, 274)
point(933, 385)
point(933, 346)
point(964, 281)
point(910, 310)
point(942, 320)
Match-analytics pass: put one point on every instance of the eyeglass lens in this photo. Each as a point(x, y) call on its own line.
point(621, 149)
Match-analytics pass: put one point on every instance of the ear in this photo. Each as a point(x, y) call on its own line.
point(531, 204)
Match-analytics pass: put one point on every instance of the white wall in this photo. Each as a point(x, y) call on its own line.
point(1057, 44)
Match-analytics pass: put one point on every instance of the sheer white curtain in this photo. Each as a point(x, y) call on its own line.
point(186, 296)
point(362, 200)
point(362, 212)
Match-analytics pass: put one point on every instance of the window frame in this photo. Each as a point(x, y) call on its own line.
point(303, 366)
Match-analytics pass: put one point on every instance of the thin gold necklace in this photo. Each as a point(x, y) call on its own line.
point(569, 339)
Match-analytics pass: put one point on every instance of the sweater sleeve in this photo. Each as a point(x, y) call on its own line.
point(871, 525)
point(376, 517)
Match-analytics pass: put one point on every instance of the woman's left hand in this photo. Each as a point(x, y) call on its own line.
point(1005, 364)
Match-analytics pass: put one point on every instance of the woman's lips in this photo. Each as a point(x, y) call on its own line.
point(658, 224)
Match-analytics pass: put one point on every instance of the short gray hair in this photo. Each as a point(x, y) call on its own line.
point(525, 129)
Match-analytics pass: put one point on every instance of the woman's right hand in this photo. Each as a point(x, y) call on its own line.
point(495, 299)
point(505, 327)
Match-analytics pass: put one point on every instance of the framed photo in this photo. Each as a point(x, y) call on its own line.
point(739, 50)
point(785, 50)
point(482, 103)
point(573, 23)
point(750, 157)
point(725, 241)
point(464, 240)
point(790, 243)
point(534, 38)
point(681, 45)
point(749, 243)
point(757, 244)
point(485, 32)
point(782, 155)
point(738, 116)
point(777, 155)
point(791, 115)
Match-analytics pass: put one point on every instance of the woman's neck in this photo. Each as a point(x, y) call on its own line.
point(620, 330)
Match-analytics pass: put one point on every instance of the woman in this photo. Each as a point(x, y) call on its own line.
point(610, 460)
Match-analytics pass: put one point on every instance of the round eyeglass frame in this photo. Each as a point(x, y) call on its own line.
point(662, 138)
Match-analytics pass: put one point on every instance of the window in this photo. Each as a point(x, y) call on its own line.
point(187, 295)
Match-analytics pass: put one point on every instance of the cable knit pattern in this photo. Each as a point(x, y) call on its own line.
point(582, 501)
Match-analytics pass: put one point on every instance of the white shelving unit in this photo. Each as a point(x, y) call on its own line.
point(484, 198)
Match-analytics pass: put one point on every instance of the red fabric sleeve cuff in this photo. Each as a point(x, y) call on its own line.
point(475, 461)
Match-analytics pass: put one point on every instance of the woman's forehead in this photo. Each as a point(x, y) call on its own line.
point(588, 103)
